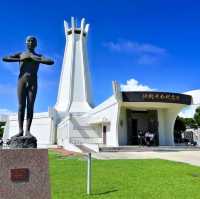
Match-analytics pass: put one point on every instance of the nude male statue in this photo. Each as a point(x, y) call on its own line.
point(29, 62)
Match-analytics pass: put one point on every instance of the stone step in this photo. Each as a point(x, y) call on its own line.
point(85, 149)
point(147, 149)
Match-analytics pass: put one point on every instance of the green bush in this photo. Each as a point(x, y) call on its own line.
point(1, 129)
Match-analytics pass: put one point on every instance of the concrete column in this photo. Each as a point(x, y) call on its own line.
point(161, 126)
point(170, 116)
point(166, 119)
point(122, 127)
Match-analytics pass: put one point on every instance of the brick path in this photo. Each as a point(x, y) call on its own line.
point(64, 152)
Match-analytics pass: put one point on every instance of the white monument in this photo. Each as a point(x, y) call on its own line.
point(74, 95)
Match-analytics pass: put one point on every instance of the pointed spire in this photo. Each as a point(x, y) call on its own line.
point(74, 87)
point(87, 28)
point(66, 28)
point(82, 24)
point(73, 23)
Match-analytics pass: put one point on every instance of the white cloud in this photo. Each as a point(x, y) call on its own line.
point(134, 85)
point(135, 47)
point(146, 53)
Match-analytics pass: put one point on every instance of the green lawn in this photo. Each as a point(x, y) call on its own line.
point(131, 179)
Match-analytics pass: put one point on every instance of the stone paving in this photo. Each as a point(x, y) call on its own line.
point(191, 157)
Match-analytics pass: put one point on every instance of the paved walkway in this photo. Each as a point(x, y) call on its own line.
point(190, 157)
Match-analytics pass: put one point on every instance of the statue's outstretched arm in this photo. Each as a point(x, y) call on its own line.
point(12, 58)
point(43, 60)
point(46, 61)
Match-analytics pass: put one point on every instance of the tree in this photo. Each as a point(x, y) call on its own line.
point(179, 127)
point(197, 116)
point(179, 124)
point(1, 129)
point(191, 123)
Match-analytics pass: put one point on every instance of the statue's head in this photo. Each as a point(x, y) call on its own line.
point(31, 42)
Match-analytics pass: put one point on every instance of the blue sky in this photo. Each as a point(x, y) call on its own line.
point(154, 42)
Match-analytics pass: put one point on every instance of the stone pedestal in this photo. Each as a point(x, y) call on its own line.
point(22, 142)
point(24, 174)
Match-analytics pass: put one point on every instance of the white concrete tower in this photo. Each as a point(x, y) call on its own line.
point(74, 94)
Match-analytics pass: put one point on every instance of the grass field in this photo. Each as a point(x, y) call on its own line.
point(131, 179)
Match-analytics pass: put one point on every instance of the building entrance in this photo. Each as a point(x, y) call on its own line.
point(142, 127)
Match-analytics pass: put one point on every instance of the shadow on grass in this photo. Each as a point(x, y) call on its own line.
point(105, 192)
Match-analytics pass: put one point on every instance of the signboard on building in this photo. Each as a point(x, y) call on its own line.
point(163, 97)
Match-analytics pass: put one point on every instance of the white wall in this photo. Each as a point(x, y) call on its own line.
point(122, 127)
point(63, 130)
point(109, 109)
point(83, 132)
point(43, 128)
point(77, 129)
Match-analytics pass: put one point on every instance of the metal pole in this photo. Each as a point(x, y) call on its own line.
point(89, 165)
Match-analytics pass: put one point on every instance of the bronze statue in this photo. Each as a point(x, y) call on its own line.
point(29, 62)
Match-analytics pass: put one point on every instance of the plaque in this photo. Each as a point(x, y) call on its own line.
point(19, 175)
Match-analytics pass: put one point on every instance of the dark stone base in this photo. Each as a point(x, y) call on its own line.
point(22, 142)
point(36, 185)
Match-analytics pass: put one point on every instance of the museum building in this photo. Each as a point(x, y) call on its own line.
point(74, 122)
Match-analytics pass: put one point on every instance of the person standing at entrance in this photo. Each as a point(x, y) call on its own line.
point(140, 137)
point(147, 138)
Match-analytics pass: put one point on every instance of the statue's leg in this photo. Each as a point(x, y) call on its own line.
point(32, 91)
point(21, 92)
